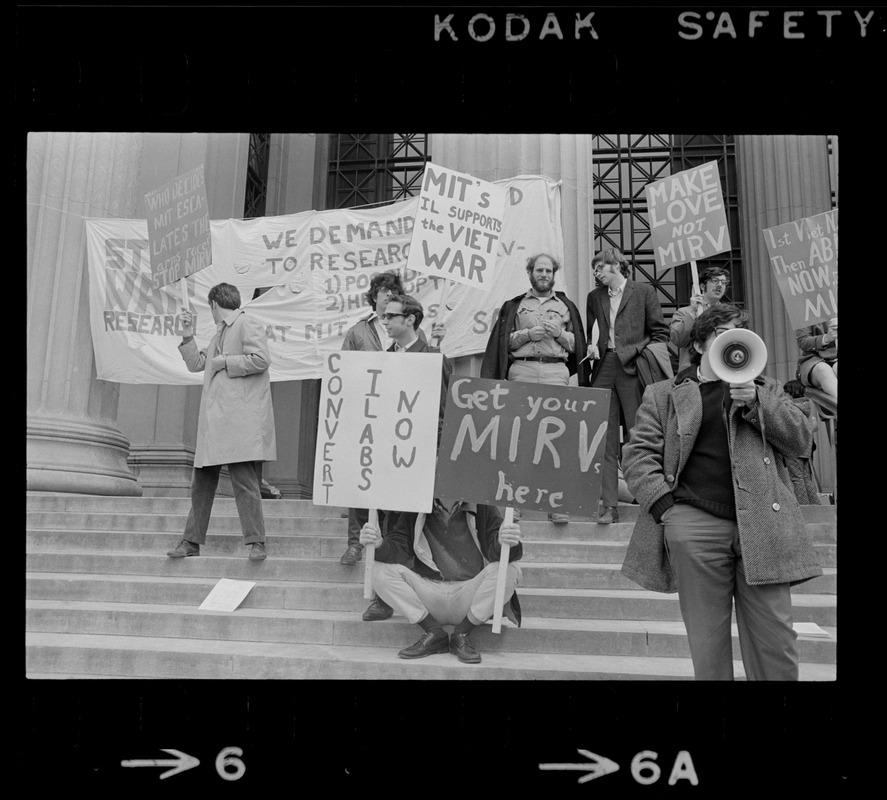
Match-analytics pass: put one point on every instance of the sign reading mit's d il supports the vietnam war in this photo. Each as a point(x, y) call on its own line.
point(523, 445)
point(458, 227)
point(688, 220)
point(377, 437)
point(804, 260)
point(179, 238)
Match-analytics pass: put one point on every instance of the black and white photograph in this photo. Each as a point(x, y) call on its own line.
point(589, 537)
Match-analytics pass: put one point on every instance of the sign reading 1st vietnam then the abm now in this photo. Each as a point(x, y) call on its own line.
point(804, 260)
point(688, 220)
point(377, 440)
point(458, 227)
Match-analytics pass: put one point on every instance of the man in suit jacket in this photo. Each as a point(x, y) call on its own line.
point(629, 317)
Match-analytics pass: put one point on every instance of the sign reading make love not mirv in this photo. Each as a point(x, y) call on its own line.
point(458, 227)
point(377, 440)
point(523, 445)
point(179, 238)
point(688, 220)
point(804, 260)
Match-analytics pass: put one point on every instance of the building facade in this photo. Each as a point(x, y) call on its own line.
point(90, 436)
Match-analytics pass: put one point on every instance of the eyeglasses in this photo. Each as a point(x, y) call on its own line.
point(388, 316)
point(720, 281)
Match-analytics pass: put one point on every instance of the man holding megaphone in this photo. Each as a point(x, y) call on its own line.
point(719, 519)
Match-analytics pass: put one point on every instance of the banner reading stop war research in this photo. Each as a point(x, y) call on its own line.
point(319, 265)
point(524, 445)
point(804, 260)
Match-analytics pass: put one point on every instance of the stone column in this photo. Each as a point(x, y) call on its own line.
point(781, 178)
point(73, 441)
point(566, 158)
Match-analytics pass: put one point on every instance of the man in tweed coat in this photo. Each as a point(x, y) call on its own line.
point(719, 518)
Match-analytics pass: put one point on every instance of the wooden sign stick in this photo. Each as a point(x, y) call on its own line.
point(370, 558)
point(695, 288)
point(500, 577)
point(183, 287)
point(442, 306)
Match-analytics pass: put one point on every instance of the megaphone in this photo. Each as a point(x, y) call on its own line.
point(737, 355)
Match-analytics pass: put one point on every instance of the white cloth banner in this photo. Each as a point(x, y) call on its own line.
point(319, 264)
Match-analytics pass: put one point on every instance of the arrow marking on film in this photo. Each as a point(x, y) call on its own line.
point(595, 767)
point(180, 763)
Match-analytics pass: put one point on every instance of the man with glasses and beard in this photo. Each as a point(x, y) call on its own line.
point(536, 337)
point(713, 283)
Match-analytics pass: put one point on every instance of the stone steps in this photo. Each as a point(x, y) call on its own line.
point(163, 657)
point(103, 599)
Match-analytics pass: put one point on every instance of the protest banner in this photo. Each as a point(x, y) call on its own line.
point(320, 265)
point(179, 238)
point(804, 261)
point(525, 445)
point(522, 445)
point(688, 219)
point(458, 227)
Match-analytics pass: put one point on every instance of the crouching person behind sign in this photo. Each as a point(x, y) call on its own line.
point(440, 569)
point(719, 518)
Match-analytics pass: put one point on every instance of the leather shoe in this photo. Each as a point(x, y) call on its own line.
point(558, 519)
point(461, 647)
point(257, 552)
point(608, 515)
point(183, 549)
point(429, 644)
point(352, 555)
point(377, 610)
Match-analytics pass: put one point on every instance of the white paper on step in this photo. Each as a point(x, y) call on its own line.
point(226, 595)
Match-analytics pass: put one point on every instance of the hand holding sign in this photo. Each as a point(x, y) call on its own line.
point(509, 535)
point(187, 323)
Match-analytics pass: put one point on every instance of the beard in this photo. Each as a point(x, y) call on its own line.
point(541, 285)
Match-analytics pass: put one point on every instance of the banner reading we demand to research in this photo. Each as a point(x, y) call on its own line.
point(318, 265)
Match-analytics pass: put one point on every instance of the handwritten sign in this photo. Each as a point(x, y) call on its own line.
point(523, 445)
point(804, 261)
point(226, 595)
point(688, 220)
point(377, 442)
point(458, 227)
point(179, 239)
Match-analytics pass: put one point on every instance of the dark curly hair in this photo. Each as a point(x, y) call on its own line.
point(383, 280)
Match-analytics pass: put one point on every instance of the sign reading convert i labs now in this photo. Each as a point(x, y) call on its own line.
point(688, 220)
point(179, 239)
point(458, 227)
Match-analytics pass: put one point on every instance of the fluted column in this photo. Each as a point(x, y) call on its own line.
point(781, 179)
point(561, 157)
point(73, 441)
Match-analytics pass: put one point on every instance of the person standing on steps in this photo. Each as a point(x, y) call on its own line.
point(629, 317)
point(536, 337)
point(236, 421)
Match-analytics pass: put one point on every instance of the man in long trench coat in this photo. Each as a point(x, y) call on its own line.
point(236, 423)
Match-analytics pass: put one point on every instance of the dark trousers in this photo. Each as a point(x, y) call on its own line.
point(357, 518)
point(705, 554)
point(246, 481)
point(625, 395)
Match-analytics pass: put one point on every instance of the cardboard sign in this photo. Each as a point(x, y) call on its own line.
point(226, 595)
point(804, 260)
point(377, 442)
point(688, 220)
point(179, 240)
point(458, 227)
point(524, 445)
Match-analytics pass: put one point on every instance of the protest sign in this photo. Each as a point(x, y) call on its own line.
point(523, 445)
point(377, 436)
point(319, 263)
point(458, 227)
point(179, 239)
point(804, 261)
point(688, 220)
